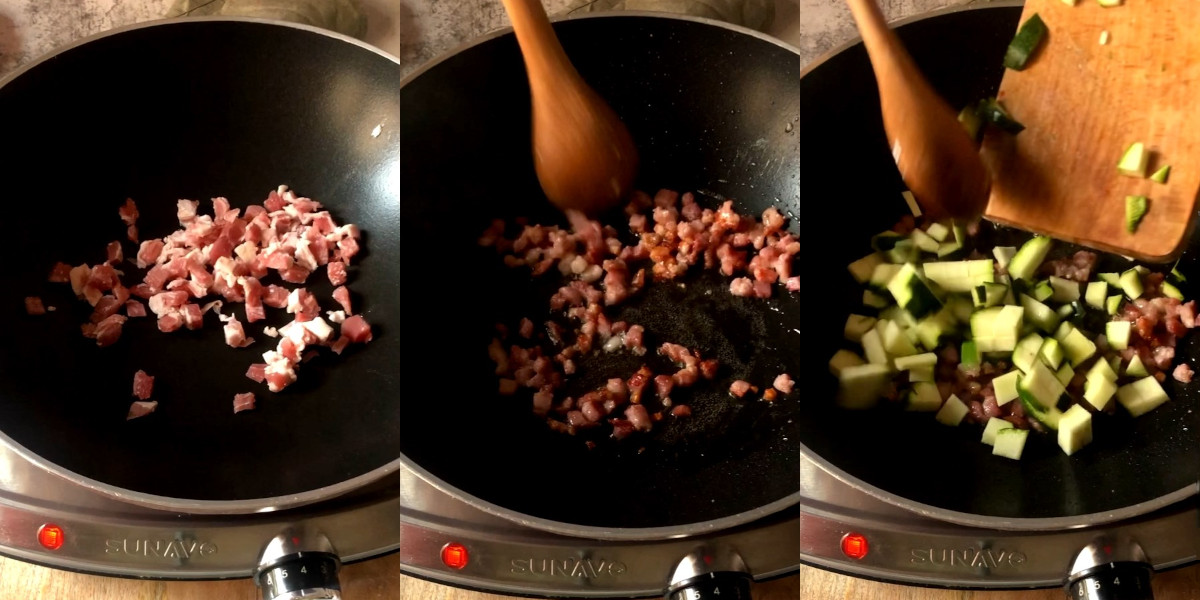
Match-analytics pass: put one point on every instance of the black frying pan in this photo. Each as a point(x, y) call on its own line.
point(853, 191)
point(196, 109)
point(711, 109)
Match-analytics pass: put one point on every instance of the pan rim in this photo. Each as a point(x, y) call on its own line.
point(215, 507)
point(570, 529)
point(603, 533)
point(13, 75)
point(959, 517)
point(498, 33)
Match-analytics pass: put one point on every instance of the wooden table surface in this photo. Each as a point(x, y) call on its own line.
point(380, 579)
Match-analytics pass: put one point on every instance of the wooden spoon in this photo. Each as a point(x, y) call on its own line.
point(938, 161)
point(584, 156)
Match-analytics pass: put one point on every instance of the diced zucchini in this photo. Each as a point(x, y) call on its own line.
point(996, 329)
point(960, 308)
point(1170, 291)
point(1113, 304)
point(1113, 279)
point(1142, 270)
point(1029, 37)
point(1161, 175)
point(842, 359)
point(948, 249)
point(1097, 292)
point(1010, 443)
point(905, 251)
point(924, 241)
point(1102, 370)
point(924, 397)
point(1074, 429)
point(912, 294)
point(882, 242)
point(960, 275)
point(1117, 333)
point(1133, 162)
point(992, 112)
point(1131, 284)
point(1135, 210)
point(856, 326)
point(1064, 329)
point(1042, 291)
point(1077, 347)
point(1099, 390)
point(1176, 275)
point(863, 268)
point(1026, 353)
point(860, 387)
point(989, 294)
point(952, 412)
point(1135, 368)
point(969, 355)
point(1065, 374)
point(875, 300)
point(971, 123)
point(1006, 387)
point(905, 363)
point(1039, 314)
point(1041, 386)
point(872, 344)
point(920, 374)
point(1141, 396)
point(930, 333)
point(1050, 353)
point(938, 231)
point(1046, 416)
point(899, 315)
point(1065, 290)
point(1027, 260)
point(882, 275)
point(994, 426)
point(894, 340)
point(1109, 3)
point(1065, 311)
point(1003, 255)
point(911, 201)
point(1114, 363)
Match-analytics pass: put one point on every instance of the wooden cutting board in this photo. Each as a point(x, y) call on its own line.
point(1083, 104)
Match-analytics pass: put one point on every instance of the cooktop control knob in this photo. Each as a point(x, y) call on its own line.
point(1111, 568)
point(299, 564)
point(710, 572)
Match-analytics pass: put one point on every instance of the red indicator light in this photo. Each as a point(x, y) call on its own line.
point(455, 555)
point(50, 536)
point(855, 546)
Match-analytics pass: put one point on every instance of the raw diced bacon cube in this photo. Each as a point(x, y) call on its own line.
point(133, 308)
point(243, 402)
point(34, 306)
point(337, 272)
point(356, 329)
point(143, 385)
point(61, 273)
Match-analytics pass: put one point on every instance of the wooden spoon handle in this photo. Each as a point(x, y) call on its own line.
point(888, 56)
point(545, 60)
